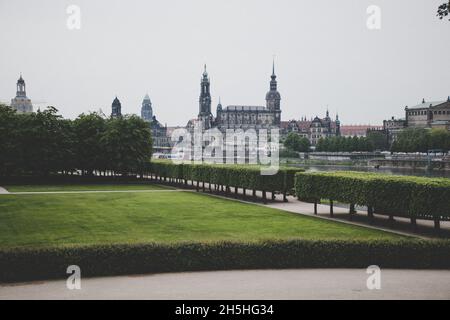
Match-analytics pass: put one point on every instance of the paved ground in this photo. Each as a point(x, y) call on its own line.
point(264, 284)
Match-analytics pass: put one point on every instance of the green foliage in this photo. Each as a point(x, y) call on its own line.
point(378, 140)
point(241, 176)
point(421, 140)
point(419, 197)
point(294, 142)
point(43, 143)
point(107, 260)
point(345, 144)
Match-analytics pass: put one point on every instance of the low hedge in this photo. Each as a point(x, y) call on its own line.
point(240, 176)
point(26, 264)
point(414, 197)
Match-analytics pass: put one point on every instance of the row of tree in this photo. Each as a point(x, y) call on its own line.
point(344, 144)
point(422, 140)
point(43, 142)
point(295, 143)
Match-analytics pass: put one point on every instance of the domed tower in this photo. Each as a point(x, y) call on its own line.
point(21, 103)
point(116, 109)
point(273, 97)
point(146, 110)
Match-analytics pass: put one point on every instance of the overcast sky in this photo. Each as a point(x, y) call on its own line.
point(325, 55)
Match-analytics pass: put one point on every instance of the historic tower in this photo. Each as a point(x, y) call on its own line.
point(205, 114)
point(116, 109)
point(273, 97)
point(146, 110)
point(21, 103)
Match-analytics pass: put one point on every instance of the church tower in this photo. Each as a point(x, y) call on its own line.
point(116, 109)
point(21, 103)
point(146, 110)
point(205, 114)
point(273, 97)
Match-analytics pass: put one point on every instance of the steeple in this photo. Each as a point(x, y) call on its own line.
point(273, 82)
point(204, 113)
point(423, 100)
point(273, 97)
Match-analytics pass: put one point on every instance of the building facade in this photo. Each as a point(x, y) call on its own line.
point(21, 103)
point(435, 114)
point(313, 129)
point(238, 116)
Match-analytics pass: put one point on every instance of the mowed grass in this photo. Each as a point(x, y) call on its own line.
point(84, 187)
point(39, 220)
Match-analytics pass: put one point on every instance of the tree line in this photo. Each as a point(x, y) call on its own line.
point(43, 142)
point(344, 144)
point(421, 140)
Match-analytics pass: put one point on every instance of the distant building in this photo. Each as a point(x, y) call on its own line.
point(161, 141)
point(392, 127)
point(21, 103)
point(435, 114)
point(314, 129)
point(427, 115)
point(116, 108)
point(359, 130)
point(146, 110)
point(238, 116)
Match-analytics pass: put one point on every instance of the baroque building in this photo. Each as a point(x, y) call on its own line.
point(434, 114)
point(252, 117)
point(21, 103)
point(431, 115)
point(238, 116)
point(313, 129)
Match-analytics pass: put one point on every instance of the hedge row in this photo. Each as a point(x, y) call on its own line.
point(22, 264)
point(413, 197)
point(237, 176)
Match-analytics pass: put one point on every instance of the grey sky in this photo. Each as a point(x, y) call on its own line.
point(325, 55)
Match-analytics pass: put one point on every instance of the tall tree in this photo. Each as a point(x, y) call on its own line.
point(294, 142)
point(90, 152)
point(128, 144)
point(444, 10)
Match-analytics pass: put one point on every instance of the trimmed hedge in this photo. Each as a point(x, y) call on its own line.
point(413, 197)
point(240, 176)
point(26, 264)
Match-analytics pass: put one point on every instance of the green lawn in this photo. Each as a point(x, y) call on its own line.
point(83, 187)
point(68, 219)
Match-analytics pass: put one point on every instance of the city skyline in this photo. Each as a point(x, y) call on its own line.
point(326, 56)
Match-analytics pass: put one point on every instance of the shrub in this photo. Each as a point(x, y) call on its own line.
point(241, 176)
point(414, 197)
point(26, 264)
